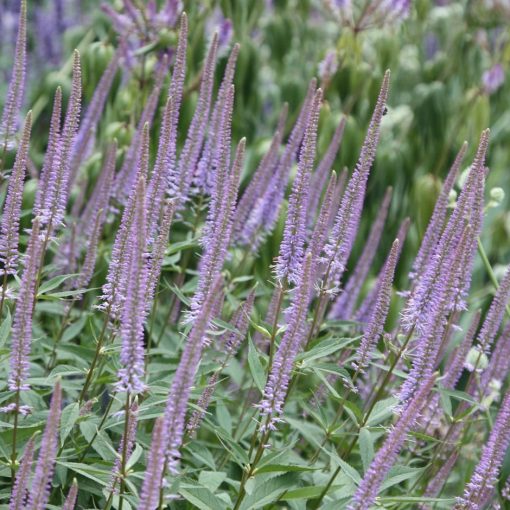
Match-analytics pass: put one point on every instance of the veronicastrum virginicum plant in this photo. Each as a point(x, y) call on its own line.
point(159, 353)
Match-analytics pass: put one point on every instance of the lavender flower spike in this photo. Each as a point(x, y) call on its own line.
point(21, 484)
point(70, 501)
point(346, 301)
point(320, 176)
point(273, 398)
point(376, 325)
point(40, 491)
point(22, 322)
point(486, 472)
point(178, 397)
point(437, 220)
point(16, 89)
point(149, 495)
point(116, 281)
point(429, 340)
point(180, 181)
point(344, 230)
point(134, 309)
point(9, 228)
point(292, 247)
point(218, 232)
point(495, 314)
point(50, 156)
point(158, 252)
point(58, 179)
point(205, 171)
point(130, 442)
point(385, 457)
point(323, 223)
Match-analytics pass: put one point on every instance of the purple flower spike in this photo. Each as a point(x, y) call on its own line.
point(175, 412)
point(246, 226)
point(365, 495)
point(41, 197)
point(218, 232)
point(344, 230)
point(127, 175)
point(240, 322)
point(321, 174)
point(346, 301)
point(468, 206)
point(21, 484)
point(9, 228)
point(70, 501)
point(495, 314)
point(149, 495)
point(438, 218)
point(203, 403)
point(288, 264)
point(486, 472)
point(134, 309)
point(57, 190)
point(453, 371)
point(116, 281)
point(157, 183)
point(205, 172)
point(366, 308)
point(429, 339)
point(273, 399)
point(16, 89)
point(22, 321)
point(266, 210)
point(40, 491)
point(493, 79)
point(375, 327)
point(181, 180)
point(130, 443)
point(499, 364)
point(323, 223)
point(93, 114)
point(158, 252)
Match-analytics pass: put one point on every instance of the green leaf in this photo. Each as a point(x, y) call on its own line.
point(211, 479)
point(69, 416)
point(382, 410)
point(268, 491)
point(366, 448)
point(55, 282)
point(256, 369)
point(74, 329)
point(5, 328)
point(275, 468)
point(323, 349)
point(202, 498)
point(100, 476)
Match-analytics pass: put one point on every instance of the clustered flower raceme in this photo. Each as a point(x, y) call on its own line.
point(320, 229)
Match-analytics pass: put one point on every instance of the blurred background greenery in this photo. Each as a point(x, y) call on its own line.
point(440, 96)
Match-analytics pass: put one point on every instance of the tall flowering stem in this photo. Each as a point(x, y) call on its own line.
point(9, 227)
point(438, 218)
point(385, 457)
point(346, 301)
point(294, 235)
point(134, 307)
point(486, 472)
point(178, 397)
point(40, 491)
point(376, 325)
point(339, 245)
point(22, 482)
point(16, 88)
